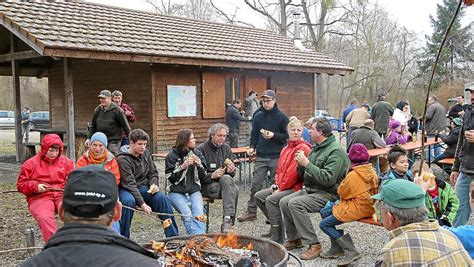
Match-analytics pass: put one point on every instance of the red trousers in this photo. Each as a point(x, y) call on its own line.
point(43, 210)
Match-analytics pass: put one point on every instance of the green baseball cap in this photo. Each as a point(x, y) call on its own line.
point(401, 194)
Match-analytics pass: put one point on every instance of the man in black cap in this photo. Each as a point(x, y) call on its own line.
point(269, 135)
point(109, 119)
point(90, 205)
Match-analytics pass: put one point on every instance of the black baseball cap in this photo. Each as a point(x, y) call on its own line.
point(93, 186)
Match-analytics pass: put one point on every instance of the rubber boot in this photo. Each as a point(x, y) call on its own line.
point(335, 251)
point(350, 252)
point(277, 233)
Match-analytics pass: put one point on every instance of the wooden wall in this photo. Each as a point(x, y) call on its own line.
point(295, 93)
point(144, 88)
point(90, 77)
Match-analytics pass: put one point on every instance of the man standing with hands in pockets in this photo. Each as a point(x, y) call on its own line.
point(268, 137)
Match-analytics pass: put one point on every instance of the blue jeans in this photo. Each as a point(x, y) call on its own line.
point(434, 150)
point(463, 190)
point(158, 202)
point(189, 205)
point(329, 222)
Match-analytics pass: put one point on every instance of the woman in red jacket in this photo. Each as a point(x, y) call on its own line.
point(42, 179)
point(287, 180)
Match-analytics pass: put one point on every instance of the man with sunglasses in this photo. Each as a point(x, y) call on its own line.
point(269, 135)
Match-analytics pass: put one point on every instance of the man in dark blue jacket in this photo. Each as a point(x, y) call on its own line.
point(269, 135)
point(233, 117)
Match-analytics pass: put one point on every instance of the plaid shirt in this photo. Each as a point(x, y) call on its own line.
point(423, 244)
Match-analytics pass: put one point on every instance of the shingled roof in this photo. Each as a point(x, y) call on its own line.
point(86, 30)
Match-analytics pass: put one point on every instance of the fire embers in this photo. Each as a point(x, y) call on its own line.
point(206, 251)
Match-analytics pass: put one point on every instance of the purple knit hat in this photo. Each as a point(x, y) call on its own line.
point(358, 154)
point(393, 124)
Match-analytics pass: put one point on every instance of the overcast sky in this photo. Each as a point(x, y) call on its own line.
point(412, 14)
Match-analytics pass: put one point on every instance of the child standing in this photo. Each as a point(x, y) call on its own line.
point(355, 203)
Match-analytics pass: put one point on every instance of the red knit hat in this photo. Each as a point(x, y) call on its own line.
point(358, 154)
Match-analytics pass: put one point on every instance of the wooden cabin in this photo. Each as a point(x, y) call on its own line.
point(175, 72)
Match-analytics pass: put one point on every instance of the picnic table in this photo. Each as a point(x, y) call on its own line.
point(81, 136)
point(410, 146)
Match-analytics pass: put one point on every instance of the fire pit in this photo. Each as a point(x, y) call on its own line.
point(219, 250)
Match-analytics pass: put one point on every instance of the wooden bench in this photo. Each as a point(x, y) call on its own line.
point(446, 164)
point(31, 148)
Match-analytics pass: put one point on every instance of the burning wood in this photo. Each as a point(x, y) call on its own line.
point(206, 251)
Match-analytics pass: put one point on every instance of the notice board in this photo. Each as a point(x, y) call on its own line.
point(181, 101)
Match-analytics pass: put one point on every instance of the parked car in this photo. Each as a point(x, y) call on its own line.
point(7, 118)
point(322, 113)
point(39, 119)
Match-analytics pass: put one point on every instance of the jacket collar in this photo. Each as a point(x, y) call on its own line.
point(430, 225)
point(326, 142)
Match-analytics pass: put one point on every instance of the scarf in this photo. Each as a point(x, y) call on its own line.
point(98, 160)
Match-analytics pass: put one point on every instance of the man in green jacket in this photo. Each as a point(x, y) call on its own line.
point(322, 172)
point(109, 119)
point(381, 113)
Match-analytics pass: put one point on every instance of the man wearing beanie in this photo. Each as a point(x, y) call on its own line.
point(451, 140)
point(90, 205)
point(414, 240)
point(354, 204)
point(109, 119)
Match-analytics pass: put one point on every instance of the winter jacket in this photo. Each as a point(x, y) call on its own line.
point(110, 164)
point(110, 121)
point(402, 117)
point(126, 107)
point(451, 140)
point(368, 137)
point(435, 118)
point(272, 120)
point(448, 203)
point(189, 180)
point(391, 174)
point(215, 156)
point(328, 164)
point(464, 156)
point(233, 119)
point(250, 105)
point(346, 111)
point(357, 117)
point(397, 138)
point(287, 176)
point(136, 171)
point(453, 112)
point(91, 245)
point(381, 113)
point(355, 192)
point(41, 170)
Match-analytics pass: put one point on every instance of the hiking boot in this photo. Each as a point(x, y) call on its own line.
point(226, 225)
point(334, 252)
point(311, 253)
point(247, 217)
point(289, 245)
point(351, 253)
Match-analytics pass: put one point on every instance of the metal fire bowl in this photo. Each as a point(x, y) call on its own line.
point(271, 253)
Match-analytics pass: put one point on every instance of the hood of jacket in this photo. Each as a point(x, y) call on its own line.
point(50, 140)
point(365, 171)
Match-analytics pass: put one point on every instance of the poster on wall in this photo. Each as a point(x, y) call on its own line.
point(181, 101)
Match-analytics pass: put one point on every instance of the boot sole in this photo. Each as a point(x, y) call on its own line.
point(334, 256)
point(246, 220)
point(353, 260)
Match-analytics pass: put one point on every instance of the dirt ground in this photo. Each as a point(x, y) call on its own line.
point(15, 219)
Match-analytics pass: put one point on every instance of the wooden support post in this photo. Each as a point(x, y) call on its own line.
point(69, 93)
point(20, 152)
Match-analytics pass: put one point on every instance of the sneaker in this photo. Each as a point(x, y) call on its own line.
point(226, 225)
point(246, 217)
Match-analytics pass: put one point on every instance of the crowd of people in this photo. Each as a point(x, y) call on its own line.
point(425, 216)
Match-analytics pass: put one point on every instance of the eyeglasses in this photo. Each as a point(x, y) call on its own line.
point(221, 135)
point(267, 100)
